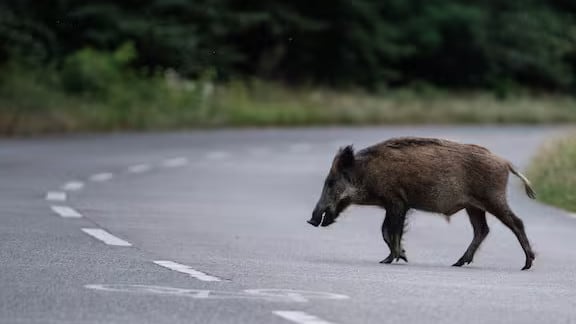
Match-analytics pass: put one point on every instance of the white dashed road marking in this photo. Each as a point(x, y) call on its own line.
point(73, 186)
point(217, 155)
point(175, 162)
point(55, 196)
point(300, 317)
point(66, 212)
point(138, 168)
point(187, 270)
point(105, 237)
point(100, 177)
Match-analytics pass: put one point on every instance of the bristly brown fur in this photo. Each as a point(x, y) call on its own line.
point(412, 142)
point(401, 142)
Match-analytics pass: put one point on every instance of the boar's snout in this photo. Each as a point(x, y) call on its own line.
point(321, 218)
point(313, 222)
point(316, 217)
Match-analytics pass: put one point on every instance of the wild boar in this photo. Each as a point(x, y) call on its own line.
point(427, 174)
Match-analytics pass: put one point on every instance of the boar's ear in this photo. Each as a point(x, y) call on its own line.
point(345, 158)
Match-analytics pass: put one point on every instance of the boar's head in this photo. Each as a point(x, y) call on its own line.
point(338, 190)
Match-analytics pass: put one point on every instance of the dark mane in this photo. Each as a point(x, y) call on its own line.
point(401, 142)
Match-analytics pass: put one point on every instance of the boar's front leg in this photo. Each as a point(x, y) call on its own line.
point(392, 230)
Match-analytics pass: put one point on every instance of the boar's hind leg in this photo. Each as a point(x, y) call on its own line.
point(480, 227)
point(392, 230)
point(515, 224)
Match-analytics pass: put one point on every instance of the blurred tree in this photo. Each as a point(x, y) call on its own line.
point(372, 43)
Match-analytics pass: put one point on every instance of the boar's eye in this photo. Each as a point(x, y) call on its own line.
point(329, 183)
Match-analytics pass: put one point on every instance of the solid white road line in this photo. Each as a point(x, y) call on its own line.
point(66, 212)
point(55, 196)
point(105, 237)
point(100, 177)
point(175, 162)
point(217, 155)
point(138, 168)
point(73, 185)
point(300, 317)
point(187, 270)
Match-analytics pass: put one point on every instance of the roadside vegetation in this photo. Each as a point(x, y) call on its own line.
point(553, 172)
point(100, 91)
point(96, 66)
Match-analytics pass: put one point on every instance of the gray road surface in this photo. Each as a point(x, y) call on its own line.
point(228, 210)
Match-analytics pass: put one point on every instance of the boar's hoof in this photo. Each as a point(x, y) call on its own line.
point(402, 257)
point(388, 259)
point(528, 264)
point(391, 258)
point(461, 262)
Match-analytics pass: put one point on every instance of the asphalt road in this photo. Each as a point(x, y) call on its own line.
point(223, 214)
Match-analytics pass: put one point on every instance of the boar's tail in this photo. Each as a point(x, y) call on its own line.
point(529, 191)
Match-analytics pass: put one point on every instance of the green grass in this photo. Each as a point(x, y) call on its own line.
point(33, 102)
point(266, 104)
point(553, 173)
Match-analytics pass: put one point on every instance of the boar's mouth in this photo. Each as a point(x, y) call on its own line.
point(321, 218)
point(326, 217)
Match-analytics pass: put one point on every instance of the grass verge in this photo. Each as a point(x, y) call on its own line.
point(33, 102)
point(553, 173)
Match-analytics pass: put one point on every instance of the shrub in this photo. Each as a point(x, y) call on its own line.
point(90, 71)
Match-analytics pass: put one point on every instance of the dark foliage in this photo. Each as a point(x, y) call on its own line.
point(374, 43)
